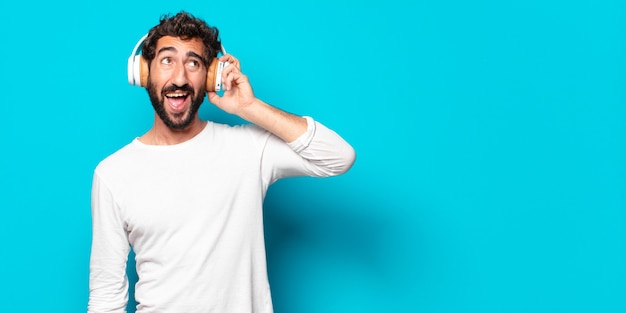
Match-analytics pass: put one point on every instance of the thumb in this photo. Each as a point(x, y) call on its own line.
point(213, 97)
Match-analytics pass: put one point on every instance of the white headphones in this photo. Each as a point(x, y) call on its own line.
point(138, 69)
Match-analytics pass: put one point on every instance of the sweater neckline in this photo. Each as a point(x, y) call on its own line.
point(136, 142)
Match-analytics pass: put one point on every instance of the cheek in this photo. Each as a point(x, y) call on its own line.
point(159, 83)
point(158, 77)
point(199, 82)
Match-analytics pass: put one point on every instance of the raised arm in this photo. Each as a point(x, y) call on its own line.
point(319, 151)
point(239, 99)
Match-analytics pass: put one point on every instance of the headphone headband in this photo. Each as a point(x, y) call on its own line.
point(138, 44)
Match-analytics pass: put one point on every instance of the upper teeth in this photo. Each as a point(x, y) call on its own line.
point(176, 95)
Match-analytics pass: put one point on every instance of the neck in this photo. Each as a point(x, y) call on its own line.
point(161, 135)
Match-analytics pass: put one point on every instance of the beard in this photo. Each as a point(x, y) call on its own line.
point(176, 121)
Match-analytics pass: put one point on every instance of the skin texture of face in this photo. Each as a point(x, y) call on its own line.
point(176, 81)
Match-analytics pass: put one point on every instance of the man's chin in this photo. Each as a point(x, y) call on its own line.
point(177, 121)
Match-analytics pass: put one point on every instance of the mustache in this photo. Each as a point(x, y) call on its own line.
point(172, 88)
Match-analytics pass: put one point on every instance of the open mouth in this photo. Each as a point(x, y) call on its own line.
point(177, 99)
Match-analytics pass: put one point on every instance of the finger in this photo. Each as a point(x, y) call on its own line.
point(229, 79)
point(231, 59)
point(229, 69)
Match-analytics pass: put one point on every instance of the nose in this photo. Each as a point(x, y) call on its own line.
point(179, 75)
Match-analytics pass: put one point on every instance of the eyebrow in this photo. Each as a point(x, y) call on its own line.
point(167, 48)
point(193, 54)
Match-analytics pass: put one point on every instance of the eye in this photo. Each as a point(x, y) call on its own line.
point(193, 65)
point(166, 61)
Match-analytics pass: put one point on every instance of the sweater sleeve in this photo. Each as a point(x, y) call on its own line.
point(319, 152)
point(108, 283)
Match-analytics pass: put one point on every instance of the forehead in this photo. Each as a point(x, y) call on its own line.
point(181, 46)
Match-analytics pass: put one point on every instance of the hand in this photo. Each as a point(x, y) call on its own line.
point(238, 92)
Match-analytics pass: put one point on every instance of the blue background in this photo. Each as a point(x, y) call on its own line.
point(490, 139)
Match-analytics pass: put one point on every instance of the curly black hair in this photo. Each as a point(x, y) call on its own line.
point(185, 26)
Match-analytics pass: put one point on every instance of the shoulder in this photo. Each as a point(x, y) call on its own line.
point(117, 159)
point(238, 132)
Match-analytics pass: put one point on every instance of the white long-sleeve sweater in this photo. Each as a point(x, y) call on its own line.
point(193, 215)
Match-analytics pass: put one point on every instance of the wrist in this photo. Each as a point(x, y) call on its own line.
point(250, 111)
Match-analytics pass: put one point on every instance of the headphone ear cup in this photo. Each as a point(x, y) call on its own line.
point(138, 66)
point(137, 71)
point(211, 75)
point(143, 71)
